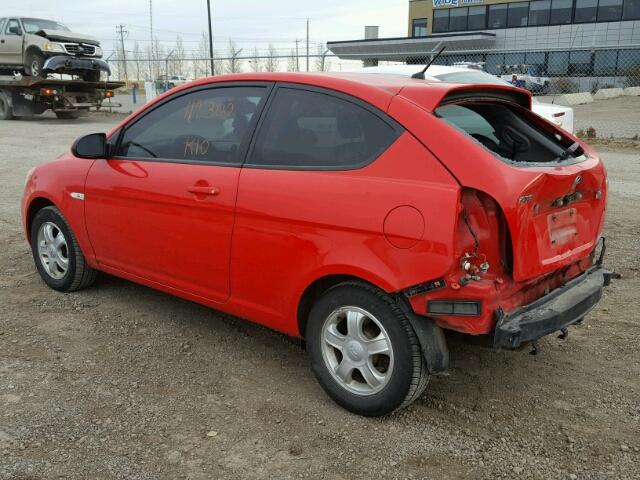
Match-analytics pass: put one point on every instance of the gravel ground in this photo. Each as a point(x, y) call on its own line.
point(121, 381)
point(616, 117)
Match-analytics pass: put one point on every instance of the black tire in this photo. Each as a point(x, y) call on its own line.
point(409, 375)
point(6, 112)
point(67, 115)
point(78, 274)
point(34, 66)
point(92, 76)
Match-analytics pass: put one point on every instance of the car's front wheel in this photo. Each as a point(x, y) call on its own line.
point(35, 64)
point(57, 255)
point(364, 352)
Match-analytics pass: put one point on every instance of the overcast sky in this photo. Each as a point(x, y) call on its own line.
point(250, 23)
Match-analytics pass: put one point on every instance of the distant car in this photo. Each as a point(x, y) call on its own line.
point(525, 76)
point(363, 213)
point(39, 46)
point(557, 114)
point(170, 81)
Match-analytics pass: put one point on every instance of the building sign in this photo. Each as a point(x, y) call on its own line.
point(453, 3)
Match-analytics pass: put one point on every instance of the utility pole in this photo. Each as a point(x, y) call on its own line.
point(307, 44)
point(297, 57)
point(210, 37)
point(151, 44)
point(122, 32)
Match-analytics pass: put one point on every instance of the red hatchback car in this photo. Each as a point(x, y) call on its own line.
point(363, 213)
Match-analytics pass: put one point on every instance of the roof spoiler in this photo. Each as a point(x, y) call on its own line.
point(481, 92)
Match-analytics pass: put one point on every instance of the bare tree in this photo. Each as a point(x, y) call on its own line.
point(322, 65)
point(292, 63)
point(201, 65)
point(233, 64)
point(179, 57)
point(256, 62)
point(138, 63)
point(272, 63)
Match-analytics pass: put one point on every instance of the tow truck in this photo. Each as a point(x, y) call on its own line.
point(25, 96)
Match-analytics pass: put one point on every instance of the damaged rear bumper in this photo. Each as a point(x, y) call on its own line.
point(555, 311)
point(63, 63)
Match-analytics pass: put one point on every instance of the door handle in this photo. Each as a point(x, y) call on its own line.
point(203, 190)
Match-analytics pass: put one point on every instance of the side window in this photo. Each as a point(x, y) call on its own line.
point(305, 129)
point(2, 20)
point(207, 125)
point(13, 27)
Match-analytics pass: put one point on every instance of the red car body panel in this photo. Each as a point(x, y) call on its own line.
point(255, 247)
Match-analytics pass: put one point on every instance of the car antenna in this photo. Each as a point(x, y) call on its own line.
point(420, 75)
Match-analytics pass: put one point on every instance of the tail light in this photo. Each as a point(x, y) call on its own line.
point(481, 238)
point(48, 92)
point(108, 94)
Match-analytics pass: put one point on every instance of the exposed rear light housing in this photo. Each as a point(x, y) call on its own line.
point(453, 307)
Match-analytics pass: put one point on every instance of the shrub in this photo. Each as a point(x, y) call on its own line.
point(562, 85)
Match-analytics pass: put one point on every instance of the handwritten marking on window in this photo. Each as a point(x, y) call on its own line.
point(196, 147)
point(208, 110)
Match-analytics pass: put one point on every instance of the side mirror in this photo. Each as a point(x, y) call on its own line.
point(91, 146)
point(15, 30)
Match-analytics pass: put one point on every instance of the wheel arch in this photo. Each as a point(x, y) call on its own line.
point(35, 205)
point(321, 284)
point(32, 49)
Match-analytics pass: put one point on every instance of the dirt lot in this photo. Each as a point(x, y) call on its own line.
point(120, 381)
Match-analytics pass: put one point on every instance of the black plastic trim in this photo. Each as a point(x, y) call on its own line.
point(559, 309)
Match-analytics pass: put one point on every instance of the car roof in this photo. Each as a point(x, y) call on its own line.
point(375, 89)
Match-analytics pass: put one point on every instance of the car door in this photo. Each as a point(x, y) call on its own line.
point(162, 208)
point(11, 43)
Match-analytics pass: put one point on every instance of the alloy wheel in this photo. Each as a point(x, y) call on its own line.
point(53, 250)
point(357, 350)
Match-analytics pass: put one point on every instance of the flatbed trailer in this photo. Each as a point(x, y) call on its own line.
point(28, 96)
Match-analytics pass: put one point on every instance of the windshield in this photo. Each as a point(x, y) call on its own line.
point(471, 76)
point(34, 25)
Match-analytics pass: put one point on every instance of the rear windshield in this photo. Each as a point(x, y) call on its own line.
point(511, 133)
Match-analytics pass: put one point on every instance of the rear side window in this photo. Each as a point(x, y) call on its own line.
point(312, 130)
point(511, 133)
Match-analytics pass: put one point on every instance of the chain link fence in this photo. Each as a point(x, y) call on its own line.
point(602, 85)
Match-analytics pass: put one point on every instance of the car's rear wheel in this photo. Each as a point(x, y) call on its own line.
point(6, 112)
point(57, 255)
point(35, 64)
point(363, 350)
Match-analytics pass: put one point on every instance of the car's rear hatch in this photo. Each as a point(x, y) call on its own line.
point(550, 187)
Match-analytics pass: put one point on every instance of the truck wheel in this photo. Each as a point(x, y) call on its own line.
point(57, 254)
point(67, 115)
point(363, 350)
point(92, 76)
point(6, 112)
point(34, 64)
